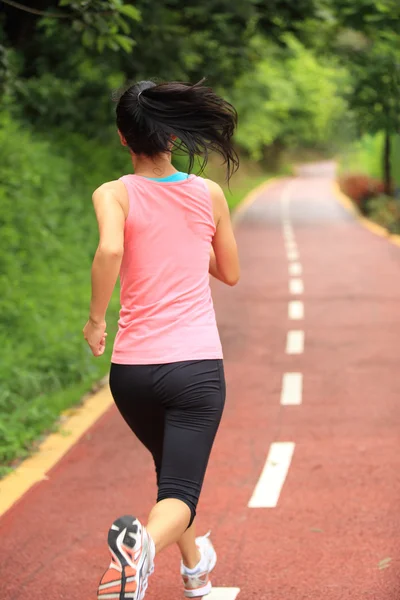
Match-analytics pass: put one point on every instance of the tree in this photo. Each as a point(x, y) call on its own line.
point(375, 95)
point(291, 98)
point(64, 55)
point(368, 42)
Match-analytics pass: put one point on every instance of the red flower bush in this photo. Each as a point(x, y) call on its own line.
point(361, 188)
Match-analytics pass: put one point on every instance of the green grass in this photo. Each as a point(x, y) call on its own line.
point(24, 428)
point(385, 211)
point(48, 235)
point(237, 194)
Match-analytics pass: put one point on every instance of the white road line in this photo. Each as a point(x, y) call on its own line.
point(295, 342)
point(296, 310)
point(269, 486)
point(220, 593)
point(291, 245)
point(292, 389)
point(296, 286)
point(289, 238)
point(295, 269)
point(293, 255)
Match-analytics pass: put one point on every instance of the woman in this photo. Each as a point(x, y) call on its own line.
point(163, 232)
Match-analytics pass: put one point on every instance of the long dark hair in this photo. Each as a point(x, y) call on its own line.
point(150, 116)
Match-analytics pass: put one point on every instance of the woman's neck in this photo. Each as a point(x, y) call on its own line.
point(156, 166)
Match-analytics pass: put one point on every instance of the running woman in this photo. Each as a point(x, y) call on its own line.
point(163, 232)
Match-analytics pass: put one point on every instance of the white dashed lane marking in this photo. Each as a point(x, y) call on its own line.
point(291, 247)
point(296, 310)
point(223, 593)
point(295, 342)
point(292, 389)
point(295, 269)
point(296, 286)
point(269, 486)
point(293, 255)
point(288, 234)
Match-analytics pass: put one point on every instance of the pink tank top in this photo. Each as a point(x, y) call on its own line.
point(167, 313)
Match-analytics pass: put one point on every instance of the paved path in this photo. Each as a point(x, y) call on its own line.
point(318, 393)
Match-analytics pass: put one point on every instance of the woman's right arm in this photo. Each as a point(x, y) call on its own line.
point(224, 258)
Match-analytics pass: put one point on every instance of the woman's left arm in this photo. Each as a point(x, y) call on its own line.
point(107, 261)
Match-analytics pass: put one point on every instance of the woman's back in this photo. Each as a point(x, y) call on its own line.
point(167, 312)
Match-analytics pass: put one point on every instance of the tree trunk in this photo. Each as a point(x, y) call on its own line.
point(387, 171)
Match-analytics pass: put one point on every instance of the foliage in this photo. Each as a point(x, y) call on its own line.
point(361, 188)
point(48, 236)
point(368, 42)
point(23, 424)
point(364, 156)
point(375, 70)
point(367, 194)
point(396, 163)
point(290, 97)
point(385, 211)
point(68, 65)
point(96, 24)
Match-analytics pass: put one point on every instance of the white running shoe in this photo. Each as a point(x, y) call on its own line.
point(132, 561)
point(197, 581)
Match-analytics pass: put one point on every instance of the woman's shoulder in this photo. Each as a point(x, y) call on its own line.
point(215, 190)
point(110, 187)
point(113, 191)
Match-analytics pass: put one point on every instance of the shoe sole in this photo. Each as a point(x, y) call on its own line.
point(122, 539)
point(200, 592)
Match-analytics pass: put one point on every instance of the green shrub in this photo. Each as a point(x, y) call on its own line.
point(385, 211)
point(48, 235)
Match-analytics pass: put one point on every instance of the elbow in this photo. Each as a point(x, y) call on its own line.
point(115, 252)
point(232, 280)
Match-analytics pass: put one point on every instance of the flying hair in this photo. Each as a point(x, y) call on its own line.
point(156, 118)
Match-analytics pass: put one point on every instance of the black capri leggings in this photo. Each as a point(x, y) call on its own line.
point(175, 410)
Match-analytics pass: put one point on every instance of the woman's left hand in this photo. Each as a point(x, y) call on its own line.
point(95, 335)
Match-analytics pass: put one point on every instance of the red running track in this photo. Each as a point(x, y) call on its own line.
point(338, 513)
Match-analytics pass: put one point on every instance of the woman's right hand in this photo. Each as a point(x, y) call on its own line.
point(95, 335)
